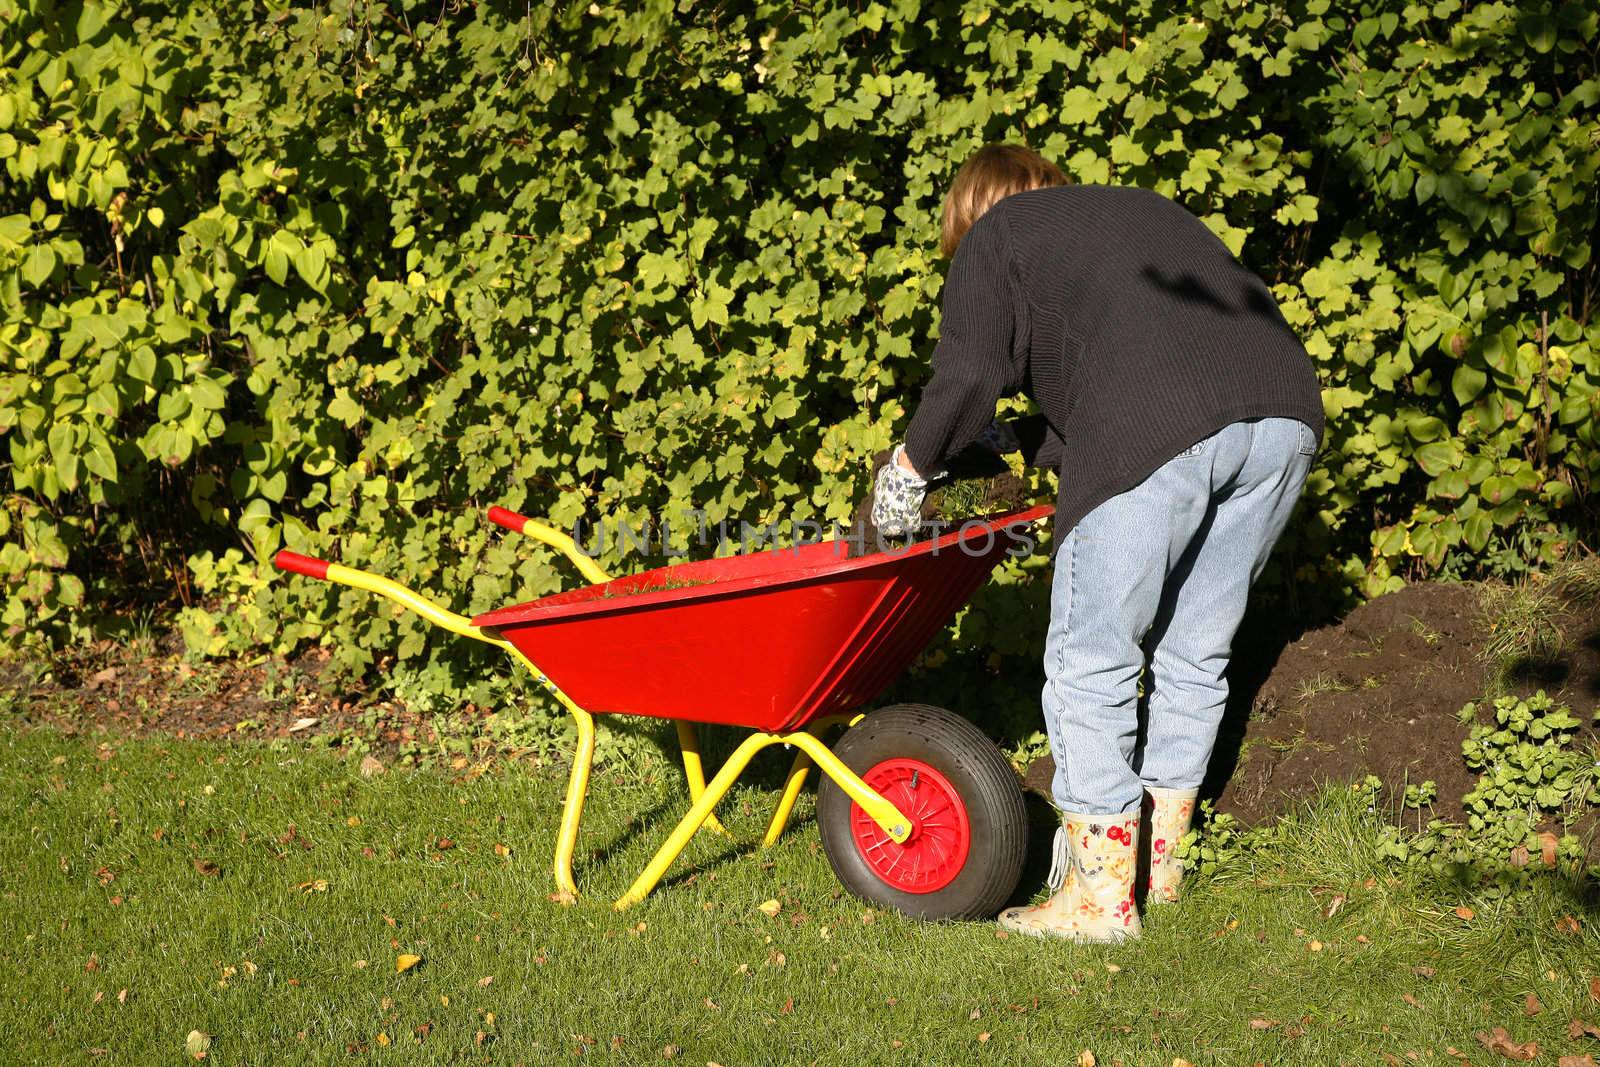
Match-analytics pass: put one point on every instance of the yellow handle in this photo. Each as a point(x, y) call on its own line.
point(554, 538)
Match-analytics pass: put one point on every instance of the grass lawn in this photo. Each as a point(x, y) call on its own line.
point(262, 895)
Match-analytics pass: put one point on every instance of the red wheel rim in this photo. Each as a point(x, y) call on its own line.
point(940, 837)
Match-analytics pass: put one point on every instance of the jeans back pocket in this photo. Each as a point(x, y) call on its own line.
point(1308, 440)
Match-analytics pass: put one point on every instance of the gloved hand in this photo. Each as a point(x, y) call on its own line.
point(897, 498)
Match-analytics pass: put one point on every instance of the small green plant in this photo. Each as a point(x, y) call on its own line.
point(1522, 622)
point(1528, 770)
point(1429, 635)
point(1321, 682)
point(1416, 797)
point(1534, 783)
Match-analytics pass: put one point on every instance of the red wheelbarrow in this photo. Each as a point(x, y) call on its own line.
point(918, 810)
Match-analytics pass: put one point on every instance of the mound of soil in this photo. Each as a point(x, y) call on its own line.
point(980, 484)
point(1378, 693)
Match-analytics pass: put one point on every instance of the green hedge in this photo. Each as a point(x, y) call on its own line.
point(338, 277)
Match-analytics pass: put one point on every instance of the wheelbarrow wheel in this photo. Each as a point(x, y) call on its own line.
point(969, 830)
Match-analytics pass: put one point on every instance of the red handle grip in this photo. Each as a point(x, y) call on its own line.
point(309, 566)
point(509, 519)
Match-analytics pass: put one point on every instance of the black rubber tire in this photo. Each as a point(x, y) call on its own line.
point(975, 768)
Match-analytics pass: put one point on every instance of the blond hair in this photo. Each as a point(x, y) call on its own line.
point(994, 172)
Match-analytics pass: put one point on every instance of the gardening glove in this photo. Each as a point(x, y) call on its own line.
point(897, 498)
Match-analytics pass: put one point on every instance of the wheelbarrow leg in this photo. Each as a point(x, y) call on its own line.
point(577, 790)
point(694, 770)
point(798, 770)
point(791, 792)
point(698, 811)
point(885, 814)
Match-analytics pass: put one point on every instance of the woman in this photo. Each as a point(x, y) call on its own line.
point(1183, 416)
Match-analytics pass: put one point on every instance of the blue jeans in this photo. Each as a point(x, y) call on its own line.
point(1159, 575)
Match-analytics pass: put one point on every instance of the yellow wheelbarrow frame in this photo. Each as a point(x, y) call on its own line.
point(705, 796)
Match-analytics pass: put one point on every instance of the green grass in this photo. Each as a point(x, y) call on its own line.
point(274, 972)
point(1524, 617)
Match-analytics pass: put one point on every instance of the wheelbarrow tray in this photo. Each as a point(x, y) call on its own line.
point(769, 640)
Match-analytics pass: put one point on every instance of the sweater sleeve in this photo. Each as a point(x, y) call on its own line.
point(972, 363)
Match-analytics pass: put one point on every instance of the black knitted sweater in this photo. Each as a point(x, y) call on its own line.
point(1125, 319)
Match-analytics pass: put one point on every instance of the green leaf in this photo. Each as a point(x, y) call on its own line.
point(311, 263)
point(345, 409)
point(1080, 106)
point(276, 262)
point(91, 20)
point(1539, 31)
point(1476, 531)
point(1427, 428)
point(1466, 383)
point(38, 265)
point(1438, 457)
point(14, 229)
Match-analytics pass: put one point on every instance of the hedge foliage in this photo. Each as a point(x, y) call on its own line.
point(338, 276)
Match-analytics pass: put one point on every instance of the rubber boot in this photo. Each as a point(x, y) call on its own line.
point(1093, 879)
point(1168, 815)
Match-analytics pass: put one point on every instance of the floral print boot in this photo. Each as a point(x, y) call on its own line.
point(1093, 879)
point(1168, 812)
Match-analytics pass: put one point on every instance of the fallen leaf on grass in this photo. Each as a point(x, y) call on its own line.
point(405, 961)
point(670, 1052)
point(983, 1038)
point(1501, 1042)
point(370, 766)
point(1263, 1024)
point(382, 1039)
point(1425, 972)
point(1086, 1059)
point(1568, 924)
point(485, 980)
point(1594, 990)
point(316, 885)
point(1577, 1028)
point(1333, 906)
point(1585, 1060)
point(769, 908)
point(304, 723)
point(1179, 1061)
point(1411, 1000)
point(207, 868)
point(197, 1044)
point(1465, 913)
point(1531, 1006)
point(564, 898)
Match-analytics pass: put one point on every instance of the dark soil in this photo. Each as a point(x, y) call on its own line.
point(119, 689)
point(1378, 693)
point(980, 484)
